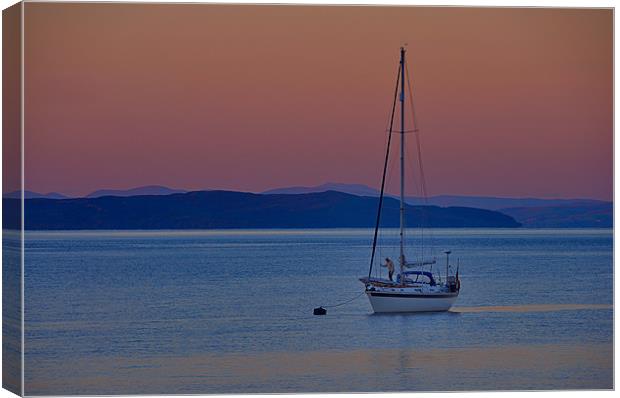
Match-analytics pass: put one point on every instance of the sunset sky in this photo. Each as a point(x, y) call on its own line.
point(511, 102)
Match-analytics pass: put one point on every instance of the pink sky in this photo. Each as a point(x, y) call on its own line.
point(511, 102)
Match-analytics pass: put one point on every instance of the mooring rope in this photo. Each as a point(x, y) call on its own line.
point(344, 302)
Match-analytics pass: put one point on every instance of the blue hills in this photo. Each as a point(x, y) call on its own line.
point(228, 209)
point(529, 212)
point(576, 215)
point(34, 195)
point(481, 202)
point(144, 190)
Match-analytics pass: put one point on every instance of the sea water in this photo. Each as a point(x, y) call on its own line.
point(124, 312)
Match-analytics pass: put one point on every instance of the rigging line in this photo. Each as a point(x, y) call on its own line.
point(385, 236)
point(413, 115)
point(413, 178)
point(424, 209)
point(418, 140)
point(415, 174)
point(415, 128)
point(385, 164)
point(383, 232)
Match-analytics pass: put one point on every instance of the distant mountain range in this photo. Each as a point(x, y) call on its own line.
point(33, 195)
point(481, 202)
point(564, 216)
point(530, 212)
point(227, 209)
point(353, 189)
point(146, 190)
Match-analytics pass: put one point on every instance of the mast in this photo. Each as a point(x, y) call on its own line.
point(402, 158)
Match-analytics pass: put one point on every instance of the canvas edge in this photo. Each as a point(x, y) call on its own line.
point(12, 181)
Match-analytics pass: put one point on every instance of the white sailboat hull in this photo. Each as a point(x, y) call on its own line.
point(394, 302)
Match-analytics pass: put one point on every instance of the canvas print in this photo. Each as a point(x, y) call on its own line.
point(235, 199)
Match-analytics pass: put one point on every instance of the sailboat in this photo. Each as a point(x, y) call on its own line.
point(416, 288)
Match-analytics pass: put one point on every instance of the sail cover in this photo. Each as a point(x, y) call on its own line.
point(428, 274)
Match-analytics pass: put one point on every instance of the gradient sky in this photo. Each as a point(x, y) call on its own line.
point(511, 102)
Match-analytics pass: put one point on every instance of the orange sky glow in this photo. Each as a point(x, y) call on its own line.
point(511, 102)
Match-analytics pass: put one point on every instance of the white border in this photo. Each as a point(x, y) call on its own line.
point(479, 3)
point(22, 136)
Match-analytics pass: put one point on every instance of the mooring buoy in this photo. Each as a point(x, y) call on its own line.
point(320, 311)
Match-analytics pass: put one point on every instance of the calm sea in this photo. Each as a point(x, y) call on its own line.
point(231, 312)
